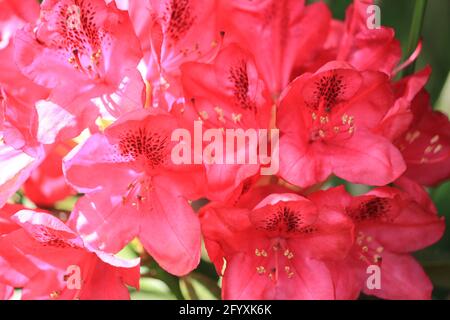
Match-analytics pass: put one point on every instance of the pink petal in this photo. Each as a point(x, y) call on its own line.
point(170, 231)
point(402, 277)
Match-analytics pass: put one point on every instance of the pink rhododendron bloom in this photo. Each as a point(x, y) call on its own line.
point(87, 52)
point(364, 48)
point(400, 116)
point(20, 150)
point(180, 31)
point(307, 144)
point(18, 94)
point(282, 35)
point(139, 196)
point(426, 144)
point(326, 121)
point(390, 224)
point(142, 19)
point(229, 94)
point(14, 15)
point(275, 250)
point(45, 250)
point(77, 41)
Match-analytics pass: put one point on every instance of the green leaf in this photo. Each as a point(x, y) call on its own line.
point(151, 269)
point(66, 204)
point(199, 287)
point(127, 253)
point(415, 32)
point(212, 285)
point(443, 103)
point(152, 289)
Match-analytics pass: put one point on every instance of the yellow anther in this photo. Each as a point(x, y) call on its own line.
point(344, 119)
point(204, 115)
point(236, 117)
point(438, 148)
point(260, 270)
point(434, 139)
point(429, 149)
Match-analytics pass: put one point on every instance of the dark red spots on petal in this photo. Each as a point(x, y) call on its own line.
point(370, 210)
point(145, 144)
point(179, 18)
point(77, 27)
point(239, 78)
point(328, 91)
point(308, 230)
point(283, 219)
point(52, 238)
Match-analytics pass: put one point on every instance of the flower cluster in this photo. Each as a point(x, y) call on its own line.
point(92, 91)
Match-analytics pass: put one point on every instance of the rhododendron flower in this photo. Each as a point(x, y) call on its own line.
point(78, 42)
point(18, 94)
point(20, 150)
point(390, 224)
point(282, 35)
point(87, 43)
point(426, 143)
point(400, 116)
point(275, 250)
point(14, 16)
point(141, 17)
point(228, 94)
point(367, 49)
point(146, 196)
point(326, 121)
point(45, 250)
point(304, 142)
point(180, 31)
